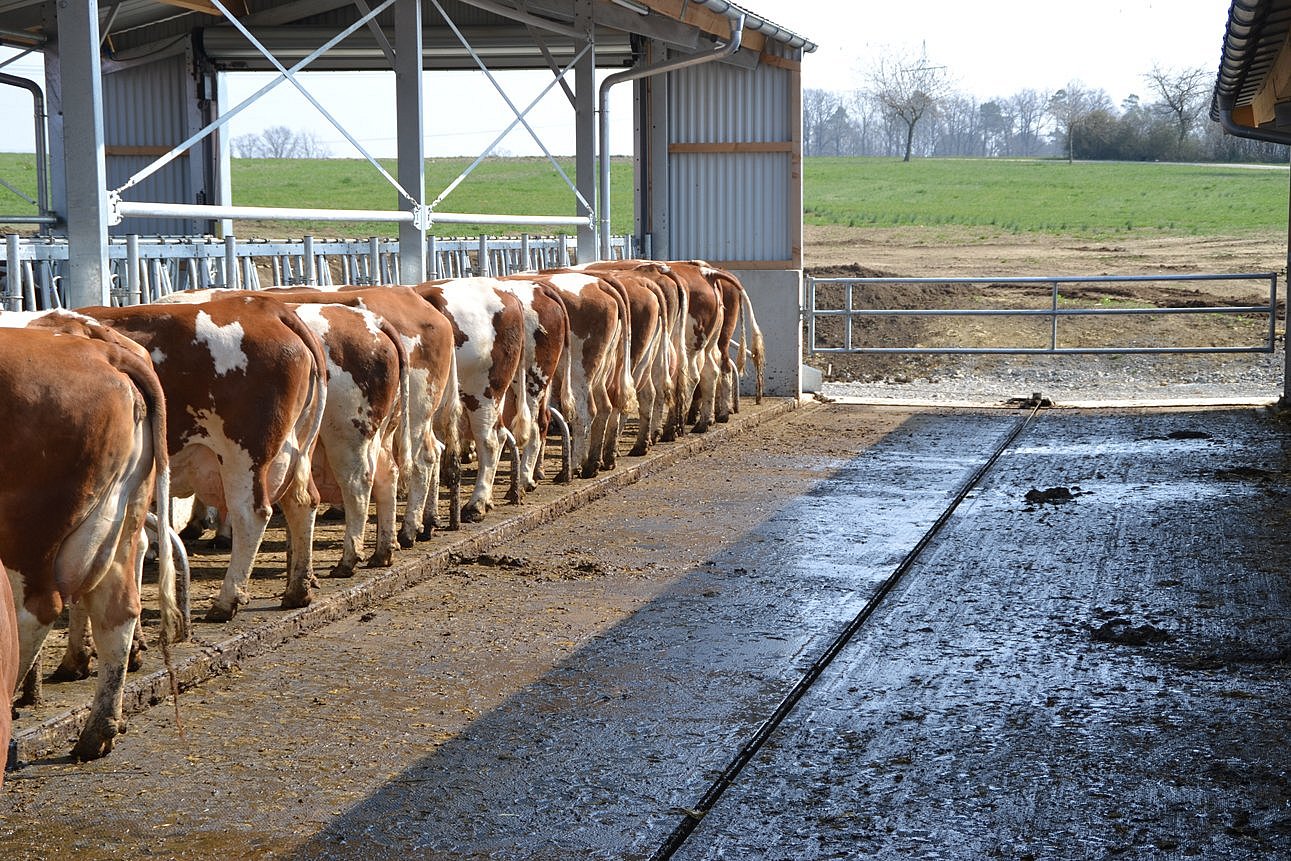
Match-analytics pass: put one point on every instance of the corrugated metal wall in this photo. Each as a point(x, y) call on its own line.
point(145, 112)
point(729, 201)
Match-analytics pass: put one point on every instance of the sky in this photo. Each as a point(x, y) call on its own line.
point(989, 48)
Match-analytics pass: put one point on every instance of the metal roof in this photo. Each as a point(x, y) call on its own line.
point(511, 33)
point(1247, 99)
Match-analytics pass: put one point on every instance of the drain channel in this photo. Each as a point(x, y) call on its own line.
point(693, 815)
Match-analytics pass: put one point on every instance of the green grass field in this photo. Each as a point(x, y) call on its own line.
point(1089, 199)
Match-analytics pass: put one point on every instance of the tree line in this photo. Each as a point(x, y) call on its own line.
point(908, 107)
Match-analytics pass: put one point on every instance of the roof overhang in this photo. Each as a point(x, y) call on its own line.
point(1252, 96)
point(508, 34)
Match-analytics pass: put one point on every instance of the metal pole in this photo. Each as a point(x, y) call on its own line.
point(231, 261)
point(1053, 326)
point(134, 284)
point(308, 264)
point(409, 137)
point(86, 279)
point(13, 274)
point(483, 255)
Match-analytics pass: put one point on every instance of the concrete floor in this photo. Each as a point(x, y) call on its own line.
point(1103, 676)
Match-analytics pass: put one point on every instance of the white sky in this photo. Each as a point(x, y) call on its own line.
point(990, 48)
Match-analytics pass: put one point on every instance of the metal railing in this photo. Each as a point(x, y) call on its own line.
point(849, 312)
point(143, 269)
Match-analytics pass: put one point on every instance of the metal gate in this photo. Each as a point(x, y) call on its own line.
point(848, 302)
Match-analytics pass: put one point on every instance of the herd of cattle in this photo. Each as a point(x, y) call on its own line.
point(124, 422)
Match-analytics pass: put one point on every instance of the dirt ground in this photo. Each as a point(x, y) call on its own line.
point(840, 252)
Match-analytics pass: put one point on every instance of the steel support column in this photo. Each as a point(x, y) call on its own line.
point(585, 129)
point(81, 110)
point(408, 111)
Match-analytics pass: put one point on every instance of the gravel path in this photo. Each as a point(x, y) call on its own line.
point(1069, 379)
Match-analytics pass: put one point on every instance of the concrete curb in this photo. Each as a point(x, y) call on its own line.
point(55, 735)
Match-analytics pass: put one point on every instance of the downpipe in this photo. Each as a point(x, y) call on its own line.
point(736, 17)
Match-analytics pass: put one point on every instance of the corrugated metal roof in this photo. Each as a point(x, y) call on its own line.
point(1256, 32)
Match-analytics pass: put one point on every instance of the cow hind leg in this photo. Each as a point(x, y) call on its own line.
point(113, 608)
point(76, 658)
point(384, 486)
point(299, 508)
point(248, 525)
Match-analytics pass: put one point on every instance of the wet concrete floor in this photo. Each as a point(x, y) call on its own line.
point(1097, 671)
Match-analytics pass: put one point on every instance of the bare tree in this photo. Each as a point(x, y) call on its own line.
point(1182, 93)
point(818, 107)
point(1071, 105)
point(908, 89)
point(1028, 109)
point(279, 142)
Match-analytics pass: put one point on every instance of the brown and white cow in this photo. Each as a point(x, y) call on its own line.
point(547, 363)
point(600, 364)
point(488, 326)
point(83, 458)
point(737, 309)
point(76, 661)
point(363, 438)
point(680, 374)
point(245, 384)
point(432, 412)
point(8, 661)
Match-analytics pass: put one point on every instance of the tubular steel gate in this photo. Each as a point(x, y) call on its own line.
point(146, 268)
point(850, 306)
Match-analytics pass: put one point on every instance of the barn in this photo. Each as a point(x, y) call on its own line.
point(138, 143)
point(833, 631)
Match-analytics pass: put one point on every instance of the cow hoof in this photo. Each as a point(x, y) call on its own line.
point(380, 560)
point(221, 613)
point(220, 542)
point(471, 514)
point(96, 742)
point(700, 428)
point(723, 419)
point(406, 538)
point(73, 673)
point(638, 451)
point(332, 513)
point(340, 570)
point(296, 600)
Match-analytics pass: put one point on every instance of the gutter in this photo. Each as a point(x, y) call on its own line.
point(737, 18)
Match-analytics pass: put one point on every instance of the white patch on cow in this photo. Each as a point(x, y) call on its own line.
point(223, 342)
point(572, 282)
point(312, 316)
point(30, 632)
point(157, 356)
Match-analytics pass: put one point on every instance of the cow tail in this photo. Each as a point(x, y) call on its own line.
point(757, 347)
point(403, 438)
point(628, 398)
point(318, 377)
point(174, 622)
point(562, 384)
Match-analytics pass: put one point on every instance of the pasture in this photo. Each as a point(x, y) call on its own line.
point(1090, 200)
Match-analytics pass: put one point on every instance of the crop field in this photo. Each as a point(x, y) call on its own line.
point(1092, 200)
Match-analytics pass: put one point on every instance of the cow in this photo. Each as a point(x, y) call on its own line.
point(75, 663)
point(736, 309)
point(600, 365)
point(547, 362)
point(245, 382)
point(677, 351)
point(364, 437)
point(432, 410)
point(8, 660)
point(648, 313)
point(80, 471)
point(489, 337)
